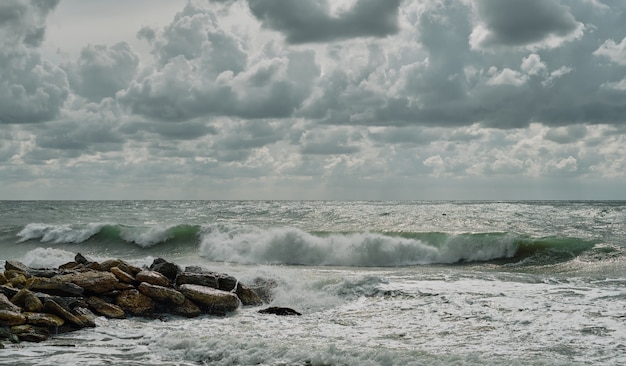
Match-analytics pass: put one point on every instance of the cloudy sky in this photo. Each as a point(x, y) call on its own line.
point(313, 99)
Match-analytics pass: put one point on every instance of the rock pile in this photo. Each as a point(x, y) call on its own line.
point(35, 303)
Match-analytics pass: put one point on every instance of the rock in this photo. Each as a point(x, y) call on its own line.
point(123, 286)
point(264, 288)
point(43, 319)
point(248, 296)
point(121, 275)
point(104, 308)
point(123, 265)
point(161, 293)
point(202, 279)
point(70, 265)
point(5, 304)
point(3, 279)
point(188, 309)
point(135, 302)
point(5, 333)
point(167, 269)
point(52, 307)
point(15, 279)
point(81, 259)
point(279, 311)
point(213, 301)
point(27, 300)
point(91, 280)
point(152, 277)
point(54, 287)
point(43, 272)
point(87, 318)
point(8, 290)
point(224, 282)
point(16, 266)
point(30, 333)
point(11, 318)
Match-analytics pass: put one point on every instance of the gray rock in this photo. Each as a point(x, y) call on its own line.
point(211, 300)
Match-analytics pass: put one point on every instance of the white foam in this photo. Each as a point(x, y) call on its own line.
point(146, 238)
point(296, 247)
point(47, 257)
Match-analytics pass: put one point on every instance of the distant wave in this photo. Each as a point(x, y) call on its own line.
point(111, 234)
point(292, 246)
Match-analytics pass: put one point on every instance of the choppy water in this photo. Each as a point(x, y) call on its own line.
point(379, 283)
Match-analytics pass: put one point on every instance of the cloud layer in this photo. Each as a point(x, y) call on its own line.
point(350, 99)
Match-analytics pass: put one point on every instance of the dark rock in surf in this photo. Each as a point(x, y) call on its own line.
point(6, 304)
point(27, 300)
point(30, 333)
point(248, 296)
point(188, 309)
point(11, 318)
point(16, 266)
point(279, 311)
point(167, 269)
point(43, 319)
point(122, 275)
point(91, 280)
point(195, 278)
point(54, 286)
point(81, 259)
point(52, 307)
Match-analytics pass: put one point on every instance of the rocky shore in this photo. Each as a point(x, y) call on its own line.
point(37, 303)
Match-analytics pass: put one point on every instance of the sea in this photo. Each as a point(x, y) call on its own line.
point(377, 282)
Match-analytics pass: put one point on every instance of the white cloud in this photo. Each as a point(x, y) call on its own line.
point(616, 52)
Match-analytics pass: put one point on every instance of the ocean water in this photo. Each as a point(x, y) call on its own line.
point(378, 283)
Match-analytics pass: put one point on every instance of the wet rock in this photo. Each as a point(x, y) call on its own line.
point(15, 279)
point(248, 296)
point(152, 277)
point(5, 304)
point(91, 280)
point(70, 265)
point(264, 288)
point(52, 307)
point(54, 287)
point(16, 266)
point(43, 319)
point(121, 264)
point(104, 308)
point(86, 317)
point(43, 272)
point(27, 300)
point(135, 302)
point(194, 278)
point(8, 290)
point(121, 286)
point(161, 293)
point(279, 311)
point(188, 309)
point(211, 300)
point(81, 259)
point(3, 279)
point(30, 333)
point(122, 275)
point(10, 318)
point(167, 269)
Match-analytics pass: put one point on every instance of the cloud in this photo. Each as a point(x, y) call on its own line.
point(616, 52)
point(101, 71)
point(530, 23)
point(309, 21)
point(31, 90)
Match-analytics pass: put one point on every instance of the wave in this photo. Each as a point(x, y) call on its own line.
point(292, 246)
point(144, 237)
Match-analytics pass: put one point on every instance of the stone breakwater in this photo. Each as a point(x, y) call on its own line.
point(36, 303)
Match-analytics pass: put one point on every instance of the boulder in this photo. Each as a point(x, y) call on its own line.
point(81, 259)
point(121, 275)
point(3, 279)
point(135, 302)
point(15, 279)
point(264, 288)
point(152, 277)
point(30, 333)
point(43, 272)
point(87, 318)
point(279, 311)
point(161, 293)
point(11, 318)
point(52, 307)
point(248, 296)
point(54, 286)
point(91, 280)
point(70, 265)
point(104, 308)
point(225, 282)
point(121, 264)
point(213, 301)
point(188, 309)
point(8, 290)
point(16, 266)
point(167, 269)
point(203, 279)
point(43, 319)
point(5, 304)
point(27, 300)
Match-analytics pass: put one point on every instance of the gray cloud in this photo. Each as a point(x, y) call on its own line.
point(521, 23)
point(101, 71)
point(310, 20)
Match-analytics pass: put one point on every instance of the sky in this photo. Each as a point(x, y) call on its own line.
point(313, 99)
